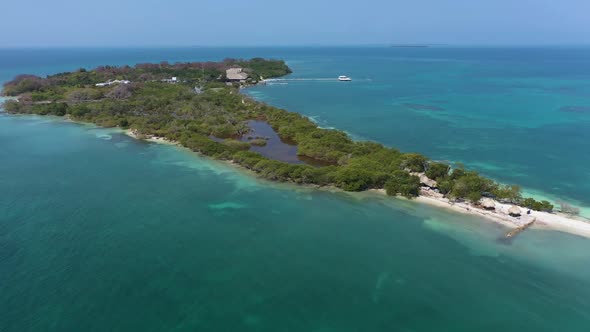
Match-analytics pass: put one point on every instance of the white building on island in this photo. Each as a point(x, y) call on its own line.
point(109, 83)
point(172, 80)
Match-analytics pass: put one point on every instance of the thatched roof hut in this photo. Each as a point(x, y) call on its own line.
point(514, 211)
point(488, 204)
point(425, 180)
point(235, 74)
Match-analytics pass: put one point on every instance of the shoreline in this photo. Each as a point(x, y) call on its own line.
point(497, 212)
point(150, 138)
point(543, 220)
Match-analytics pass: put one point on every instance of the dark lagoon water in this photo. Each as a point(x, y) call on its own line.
point(274, 148)
point(99, 232)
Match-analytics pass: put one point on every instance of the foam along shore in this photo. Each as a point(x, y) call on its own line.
point(500, 213)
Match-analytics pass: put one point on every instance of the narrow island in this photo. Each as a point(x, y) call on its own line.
point(199, 105)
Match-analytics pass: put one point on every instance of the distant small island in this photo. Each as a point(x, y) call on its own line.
point(199, 106)
point(411, 45)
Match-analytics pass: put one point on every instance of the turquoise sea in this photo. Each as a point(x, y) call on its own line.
point(100, 232)
point(518, 115)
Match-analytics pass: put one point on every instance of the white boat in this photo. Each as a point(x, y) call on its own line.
point(344, 78)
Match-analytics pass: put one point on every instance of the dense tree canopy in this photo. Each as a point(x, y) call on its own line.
point(210, 118)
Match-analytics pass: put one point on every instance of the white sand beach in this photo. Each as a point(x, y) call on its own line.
point(150, 138)
point(543, 220)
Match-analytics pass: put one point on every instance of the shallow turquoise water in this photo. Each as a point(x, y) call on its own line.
point(519, 115)
point(99, 232)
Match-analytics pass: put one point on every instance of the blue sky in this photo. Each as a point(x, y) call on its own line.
point(302, 22)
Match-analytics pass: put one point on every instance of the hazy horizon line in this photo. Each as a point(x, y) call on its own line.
point(392, 44)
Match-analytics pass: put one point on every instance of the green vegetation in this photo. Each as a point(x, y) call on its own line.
point(258, 142)
point(437, 171)
point(403, 183)
point(209, 120)
point(260, 68)
point(536, 205)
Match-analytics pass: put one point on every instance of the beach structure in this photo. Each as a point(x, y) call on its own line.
point(520, 229)
point(514, 211)
point(488, 204)
point(236, 75)
point(425, 180)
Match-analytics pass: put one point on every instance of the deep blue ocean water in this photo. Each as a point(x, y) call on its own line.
point(99, 232)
